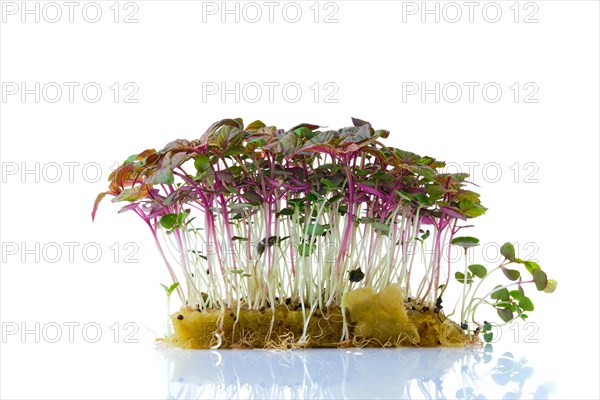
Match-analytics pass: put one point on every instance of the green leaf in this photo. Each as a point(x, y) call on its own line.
point(531, 266)
point(130, 159)
point(356, 275)
point(170, 289)
point(254, 144)
point(315, 229)
point(234, 150)
point(551, 287)
point(334, 199)
point(201, 163)
point(478, 270)
point(237, 271)
point(131, 194)
point(161, 176)
point(436, 192)
point(182, 216)
point(511, 274)
point(285, 211)
point(487, 326)
point(501, 294)
point(168, 220)
point(508, 251)
point(253, 198)
point(540, 279)
point(515, 294)
point(329, 184)
point(526, 304)
point(465, 241)
point(381, 227)
point(255, 125)
point(404, 195)
point(239, 206)
point(471, 209)
point(461, 278)
point(306, 250)
point(505, 314)
point(488, 336)
point(169, 200)
point(422, 199)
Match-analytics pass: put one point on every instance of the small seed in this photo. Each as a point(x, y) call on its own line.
point(180, 317)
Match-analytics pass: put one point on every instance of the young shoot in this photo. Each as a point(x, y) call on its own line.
point(169, 290)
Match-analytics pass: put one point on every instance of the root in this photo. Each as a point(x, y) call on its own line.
point(287, 329)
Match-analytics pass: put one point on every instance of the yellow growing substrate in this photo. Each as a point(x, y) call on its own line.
point(374, 320)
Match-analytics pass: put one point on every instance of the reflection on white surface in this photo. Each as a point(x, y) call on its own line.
point(352, 373)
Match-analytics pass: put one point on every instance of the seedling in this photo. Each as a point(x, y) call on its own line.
point(254, 218)
point(168, 291)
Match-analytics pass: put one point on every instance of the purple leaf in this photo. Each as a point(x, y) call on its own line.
point(453, 212)
point(370, 190)
point(129, 207)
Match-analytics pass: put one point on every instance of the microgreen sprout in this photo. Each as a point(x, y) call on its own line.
point(250, 217)
point(168, 291)
point(509, 299)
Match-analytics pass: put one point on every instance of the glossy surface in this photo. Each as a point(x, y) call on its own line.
point(354, 374)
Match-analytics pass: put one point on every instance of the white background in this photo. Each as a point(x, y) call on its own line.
point(547, 203)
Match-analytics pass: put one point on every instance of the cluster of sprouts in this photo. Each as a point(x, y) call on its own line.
point(252, 217)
